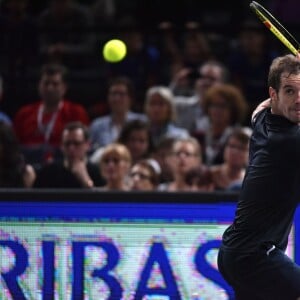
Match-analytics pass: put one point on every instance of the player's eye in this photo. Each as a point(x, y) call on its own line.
point(289, 91)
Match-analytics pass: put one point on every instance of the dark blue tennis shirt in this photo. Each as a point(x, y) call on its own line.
point(271, 188)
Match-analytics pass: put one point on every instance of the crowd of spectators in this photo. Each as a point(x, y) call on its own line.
point(173, 115)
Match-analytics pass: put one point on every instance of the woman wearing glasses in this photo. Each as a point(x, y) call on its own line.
point(74, 170)
point(186, 154)
point(144, 175)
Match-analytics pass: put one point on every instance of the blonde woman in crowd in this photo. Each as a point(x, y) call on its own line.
point(160, 111)
point(115, 164)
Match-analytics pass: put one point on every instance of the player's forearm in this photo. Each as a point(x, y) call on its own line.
point(265, 104)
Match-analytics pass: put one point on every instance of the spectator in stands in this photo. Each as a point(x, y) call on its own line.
point(3, 116)
point(230, 174)
point(200, 179)
point(144, 175)
point(39, 125)
point(249, 62)
point(104, 13)
point(186, 154)
point(74, 171)
point(196, 48)
point(106, 129)
point(65, 35)
point(136, 136)
point(14, 171)
point(160, 110)
point(115, 163)
point(189, 108)
point(161, 153)
point(141, 64)
point(170, 51)
point(18, 38)
point(226, 108)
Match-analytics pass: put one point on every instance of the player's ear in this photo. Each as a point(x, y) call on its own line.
point(272, 93)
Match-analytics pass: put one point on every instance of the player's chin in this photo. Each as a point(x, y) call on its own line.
point(295, 118)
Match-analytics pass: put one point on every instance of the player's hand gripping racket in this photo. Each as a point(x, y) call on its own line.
point(276, 28)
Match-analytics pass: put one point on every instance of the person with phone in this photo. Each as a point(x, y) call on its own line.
point(252, 256)
point(189, 107)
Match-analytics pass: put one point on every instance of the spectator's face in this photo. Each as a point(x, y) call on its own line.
point(210, 75)
point(158, 110)
point(236, 153)
point(252, 41)
point(138, 143)
point(219, 111)
point(52, 89)
point(185, 157)
point(119, 99)
point(74, 146)
point(114, 167)
point(140, 179)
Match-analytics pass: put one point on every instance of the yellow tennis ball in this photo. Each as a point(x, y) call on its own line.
point(114, 51)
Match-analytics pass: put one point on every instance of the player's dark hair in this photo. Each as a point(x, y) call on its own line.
point(289, 64)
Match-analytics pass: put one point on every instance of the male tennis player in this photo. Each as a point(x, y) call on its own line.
point(252, 256)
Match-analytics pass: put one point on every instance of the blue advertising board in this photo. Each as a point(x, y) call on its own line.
point(128, 248)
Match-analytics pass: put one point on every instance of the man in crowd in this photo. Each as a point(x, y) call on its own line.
point(39, 125)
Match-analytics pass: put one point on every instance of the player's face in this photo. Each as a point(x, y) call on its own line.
point(287, 101)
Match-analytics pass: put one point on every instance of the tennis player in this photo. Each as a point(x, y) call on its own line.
point(252, 257)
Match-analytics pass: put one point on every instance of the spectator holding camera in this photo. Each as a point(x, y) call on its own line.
point(189, 108)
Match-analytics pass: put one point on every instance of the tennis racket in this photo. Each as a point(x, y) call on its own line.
point(276, 28)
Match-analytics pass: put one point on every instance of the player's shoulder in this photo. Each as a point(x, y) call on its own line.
point(258, 118)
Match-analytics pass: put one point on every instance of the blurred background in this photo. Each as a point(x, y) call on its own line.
point(161, 36)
